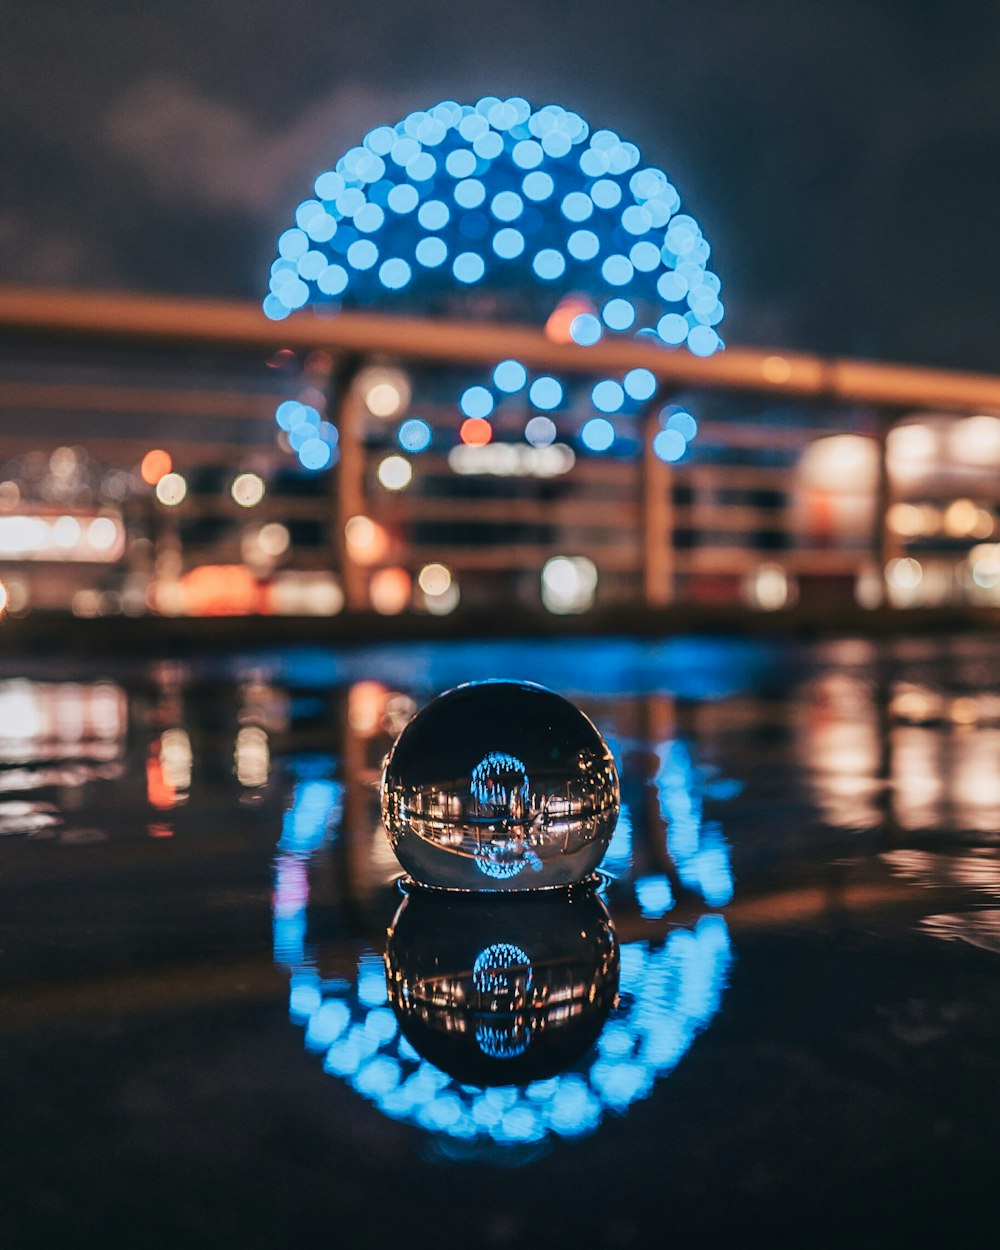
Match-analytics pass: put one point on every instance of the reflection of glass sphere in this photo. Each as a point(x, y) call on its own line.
point(505, 991)
point(499, 785)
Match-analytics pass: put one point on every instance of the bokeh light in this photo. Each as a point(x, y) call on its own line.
point(171, 489)
point(248, 490)
point(155, 465)
point(475, 432)
point(530, 203)
point(395, 472)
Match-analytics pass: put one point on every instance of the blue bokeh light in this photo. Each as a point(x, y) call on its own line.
point(529, 202)
point(585, 329)
point(679, 419)
point(468, 267)
point(394, 273)
point(476, 402)
point(538, 185)
point(508, 243)
point(607, 396)
point(669, 445)
point(549, 264)
point(509, 376)
point(546, 393)
point(640, 384)
point(431, 252)
point(618, 314)
point(598, 433)
point(434, 215)
point(414, 435)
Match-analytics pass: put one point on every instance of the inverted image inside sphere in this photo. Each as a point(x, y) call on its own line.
point(499, 785)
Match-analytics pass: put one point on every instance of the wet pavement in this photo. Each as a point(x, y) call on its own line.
point(783, 1007)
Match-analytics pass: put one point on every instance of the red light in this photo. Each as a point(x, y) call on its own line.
point(155, 464)
point(476, 432)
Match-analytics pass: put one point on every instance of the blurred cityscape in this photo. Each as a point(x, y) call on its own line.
point(142, 476)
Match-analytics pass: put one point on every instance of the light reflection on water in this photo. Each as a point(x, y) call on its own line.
point(847, 742)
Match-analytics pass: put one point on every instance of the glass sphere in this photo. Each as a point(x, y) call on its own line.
point(502, 991)
point(499, 786)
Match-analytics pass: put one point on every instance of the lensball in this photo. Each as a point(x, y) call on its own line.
point(499, 786)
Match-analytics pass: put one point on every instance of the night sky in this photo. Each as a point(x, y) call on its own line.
point(842, 158)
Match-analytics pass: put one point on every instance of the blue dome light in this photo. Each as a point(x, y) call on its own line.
point(369, 218)
point(671, 286)
point(315, 453)
point(472, 126)
point(509, 376)
point(617, 270)
point(468, 267)
point(606, 193)
point(329, 185)
point(556, 143)
point(300, 434)
point(681, 420)
point(531, 203)
point(593, 163)
point(421, 168)
point(538, 185)
point(528, 154)
point(321, 228)
point(404, 150)
point(546, 393)
point(289, 414)
point(431, 252)
point(379, 141)
point(294, 294)
point(672, 328)
point(332, 280)
point(470, 193)
point(585, 329)
point(703, 341)
point(597, 434)
point(293, 244)
point(349, 202)
point(404, 198)
point(549, 264)
point(362, 254)
point(645, 256)
point(434, 215)
point(508, 243)
point(669, 445)
point(394, 273)
point(583, 245)
point(476, 402)
point(312, 264)
point(307, 210)
point(507, 206)
point(636, 219)
point(461, 163)
point(488, 146)
point(618, 314)
point(274, 308)
point(607, 396)
point(431, 131)
point(414, 435)
point(640, 384)
point(577, 206)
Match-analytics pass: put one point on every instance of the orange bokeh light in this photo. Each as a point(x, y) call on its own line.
point(476, 432)
point(222, 590)
point(155, 464)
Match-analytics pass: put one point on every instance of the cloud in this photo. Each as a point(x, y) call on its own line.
point(195, 148)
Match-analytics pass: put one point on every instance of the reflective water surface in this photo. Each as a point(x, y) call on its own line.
point(780, 1010)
